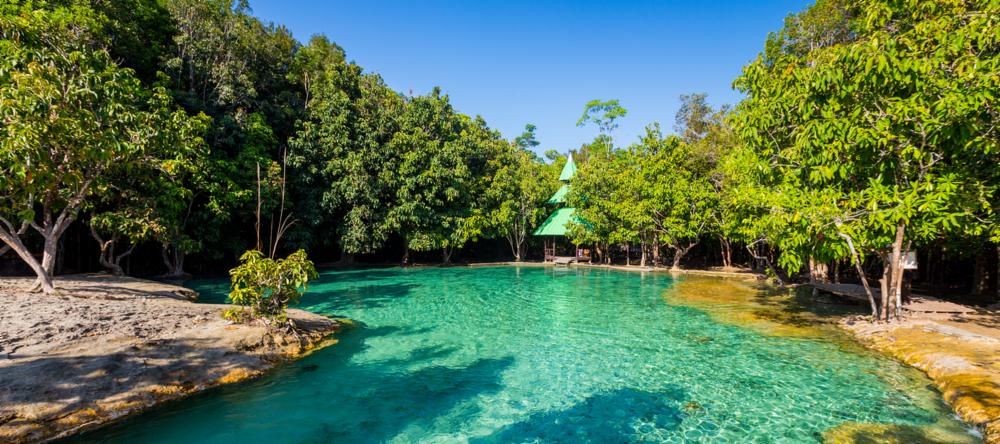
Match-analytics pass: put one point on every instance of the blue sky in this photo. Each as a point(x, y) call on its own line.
point(517, 62)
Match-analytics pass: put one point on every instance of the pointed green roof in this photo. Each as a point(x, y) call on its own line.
point(569, 170)
point(555, 225)
point(560, 195)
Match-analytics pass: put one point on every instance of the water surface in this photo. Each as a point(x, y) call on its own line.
point(533, 354)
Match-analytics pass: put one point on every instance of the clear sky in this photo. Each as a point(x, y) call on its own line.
point(517, 62)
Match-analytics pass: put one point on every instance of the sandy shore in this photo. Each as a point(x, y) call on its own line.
point(108, 347)
point(960, 353)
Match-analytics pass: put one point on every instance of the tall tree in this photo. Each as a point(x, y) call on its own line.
point(70, 115)
point(516, 195)
point(882, 137)
point(343, 167)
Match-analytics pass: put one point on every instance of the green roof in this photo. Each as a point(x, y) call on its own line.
point(560, 195)
point(555, 225)
point(569, 170)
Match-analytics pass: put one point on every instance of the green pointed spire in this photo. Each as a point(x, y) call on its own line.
point(569, 170)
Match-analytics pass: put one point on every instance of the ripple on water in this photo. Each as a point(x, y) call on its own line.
point(507, 354)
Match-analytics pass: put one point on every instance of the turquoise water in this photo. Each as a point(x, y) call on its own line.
point(506, 354)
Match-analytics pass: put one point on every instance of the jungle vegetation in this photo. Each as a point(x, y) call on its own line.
point(868, 128)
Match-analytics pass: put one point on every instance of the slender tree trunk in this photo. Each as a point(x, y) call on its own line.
point(896, 284)
point(4, 248)
point(727, 253)
point(656, 252)
point(861, 273)
point(446, 255)
point(642, 259)
point(886, 292)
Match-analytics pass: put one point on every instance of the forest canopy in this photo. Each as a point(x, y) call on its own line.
point(190, 129)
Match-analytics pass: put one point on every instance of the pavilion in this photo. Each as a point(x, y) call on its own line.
point(555, 226)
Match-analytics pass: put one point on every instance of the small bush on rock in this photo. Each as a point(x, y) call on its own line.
point(266, 286)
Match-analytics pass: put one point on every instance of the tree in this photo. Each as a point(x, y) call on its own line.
point(441, 176)
point(604, 114)
point(880, 138)
point(517, 194)
point(311, 63)
point(526, 141)
point(343, 169)
point(694, 118)
point(681, 195)
point(267, 286)
point(132, 225)
point(70, 114)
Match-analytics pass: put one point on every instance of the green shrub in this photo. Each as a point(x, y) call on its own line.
point(266, 286)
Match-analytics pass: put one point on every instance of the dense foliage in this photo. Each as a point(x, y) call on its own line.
point(164, 123)
point(868, 129)
point(875, 124)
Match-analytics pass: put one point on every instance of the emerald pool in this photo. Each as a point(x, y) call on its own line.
point(539, 354)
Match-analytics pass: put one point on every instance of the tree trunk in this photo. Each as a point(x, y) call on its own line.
point(861, 273)
point(446, 255)
point(886, 291)
point(817, 271)
point(727, 253)
point(679, 253)
point(896, 284)
point(173, 258)
point(107, 252)
point(642, 259)
point(406, 256)
point(628, 258)
point(346, 258)
point(4, 248)
point(656, 252)
point(15, 244)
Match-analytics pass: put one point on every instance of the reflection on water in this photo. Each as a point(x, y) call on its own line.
point(505, 354)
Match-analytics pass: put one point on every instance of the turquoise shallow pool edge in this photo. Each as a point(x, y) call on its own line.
point(514, 354)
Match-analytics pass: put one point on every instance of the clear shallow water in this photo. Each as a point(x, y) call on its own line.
point(506, 354)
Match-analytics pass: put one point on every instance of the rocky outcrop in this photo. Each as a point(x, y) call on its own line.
point(958, 355)
point(108, 347)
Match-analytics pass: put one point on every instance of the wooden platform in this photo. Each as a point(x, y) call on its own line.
point(563, 260)
point(918, 303)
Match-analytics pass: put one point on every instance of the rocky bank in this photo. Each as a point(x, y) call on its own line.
point(106, 347)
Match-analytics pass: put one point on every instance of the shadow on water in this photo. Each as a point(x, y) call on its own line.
point(351, 394)
point(623, 415)
point(359, 297)
point(421, 395)
point(800, 308)
point(359, 275)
